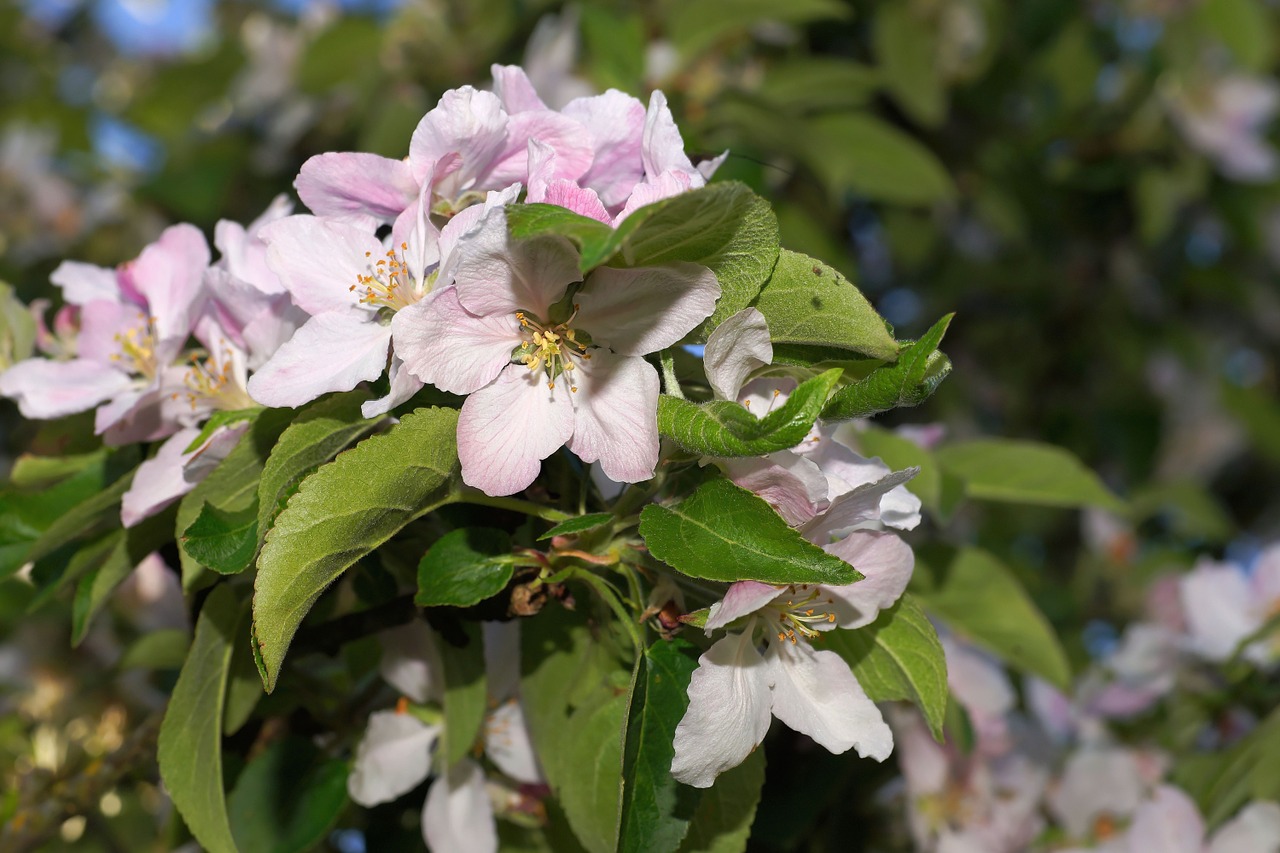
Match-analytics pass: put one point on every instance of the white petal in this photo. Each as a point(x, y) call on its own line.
point(1219, 608)
point(458, 814)
point(854, 507)
point(738, 346)
point(740, 599)
point(392, 758)
point(403, 386)
point(662, 147)
point(1255, 830)
point(507, 428)
point(616, 415)
point(886, 563)
point(445, 344)
point(159, 481)
point(84, 283)
point(979, 683)
point(332, 352)
point(467, 122)
point(497, 275)
point(411, 662)
point(728, 712)
point(501, 658)
point(815, 693)
point(642, 310)
point(170, 274)
point(318, 260)
point(507, 743)
point(787, 481)
point(1167, 823)
point(1096, 781)
point(47, 389)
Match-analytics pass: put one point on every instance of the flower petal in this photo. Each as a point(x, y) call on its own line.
point(501, 658)
point(497, 275)
point(392, 758)
point(363, 189)
point(507, 428)
point(403, 386)
point(728, 712)
point(815, 693)
point(442, 343)
point(569, 139)
point(642, 310)
point(1219, 608)
point(318, 260)
point(170, 276)
point(616, 124)
point(1257, 827)
point(45, 389)
point(616, 415)
point(159, 481)
point(741, 599)
point(507, 743)
point(458, 815)
point(854, 507)
point(738, 346)
point(465, 122)
point(84, 283)
point(332, 352)
point(886, 563)
point(411, 662)
point(1169, 822)
point(662, 149)
point(787, 481)
point(514, 89)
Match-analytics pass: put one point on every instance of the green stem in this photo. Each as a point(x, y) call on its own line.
point(546, 513)
point(670, 384)
point(610, 596)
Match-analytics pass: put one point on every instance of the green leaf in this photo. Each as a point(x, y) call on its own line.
point(98, 509)
point(17, 329)
point(1259, 414)
point(162, 649)
point(696, 25)
point(128, 548)
point(287, 798)
point(578, 524)
point(592, 237)
point(217, 421)
point(29, 470)
point(592, 794)
point(342, 512)
point(1024, 472)
point(802, 84)
point(244, 689)
point(725, 533)
point(899, 657)
point(464, 567)
point(860, 153)
point(190, 747)
point(979, 598)
point(909, 381)
point(1224, 782)
point(725, 428)
point(722, 823)
point(1244, 26)
point(807, 302)
point(656, 809)
point(907, 49)
point(465, 694)
point(223, 540)
point(898, 453)
point(320, 432)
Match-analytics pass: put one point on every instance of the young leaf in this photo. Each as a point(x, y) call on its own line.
point(217, 421)
point(464, 567)
point(899, 657)
point(807, 302)
point(530, 221)
point(724, 533)
point(979, 598)
point(656, 809)
point(286, 799)
point(859, 152)
point(223, 540)
point(592, 794)
point(342, 512)
point(726, 428)
point(578, 524)
point(190, 747)
point(723, 820)
point(465, 694)
point(128, 548)
point(909, 381)
point(1024, 472)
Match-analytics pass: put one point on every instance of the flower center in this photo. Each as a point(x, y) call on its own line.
point(795, 616)
point(388, 284)
point(217, 383)
point(138, 349)
point(551, 347)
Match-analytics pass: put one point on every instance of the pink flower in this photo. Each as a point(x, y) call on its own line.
point(543, 371)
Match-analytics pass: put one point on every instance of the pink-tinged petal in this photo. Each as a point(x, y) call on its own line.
point(458, 814)
point(1256, 828)
point(642, 310)
point(415, 238)
point(507, 743)
point(569, 139)
point(1096, 781)
point(738, 346)
point(411, 662)
point(788, 482)
point(616, 415)
point(319, 260)
point(507, 428)
point(854, 507)
point(728, 712)
point(1051, 709)
point(886, 563)
point(570, 196)
point(653, 190)
point(978, 681)
point(46, 389)
point(616, 124)
point(815, 693)
point(924, 762)
point(332, 352)
point(244, 256)
point(501, 658)
point(363, 189)
point(497, 275)
point(1169, 823)
point(845, 469)
point(514, 89)
point(707, 168)
point(1220, 609)
point(392, 758)
point(213, 451)
point(102, 324)
point(463, 224)
point(170, 275)
point(465, 122)
point(741, 599)
point(160, 480)
point(442, 343)
point(403, 386)
point(84, 283)
point(662, 149)
point(137, 415)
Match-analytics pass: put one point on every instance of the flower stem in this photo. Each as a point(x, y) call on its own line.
point(610, 596)
point(546, 513)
